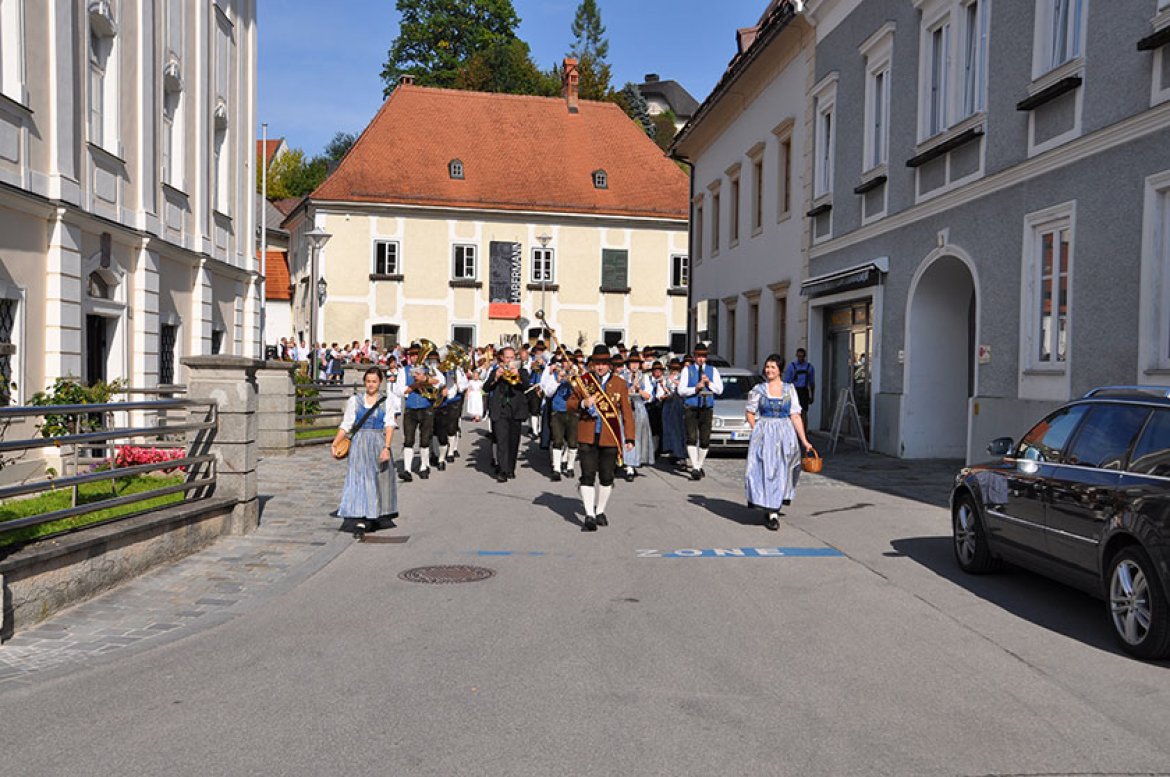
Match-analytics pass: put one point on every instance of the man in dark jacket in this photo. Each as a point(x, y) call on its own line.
point(507, 407)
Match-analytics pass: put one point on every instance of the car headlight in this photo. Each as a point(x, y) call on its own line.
point(717, 423)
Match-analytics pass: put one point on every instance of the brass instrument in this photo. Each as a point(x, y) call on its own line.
point(426, 388)
point(586, 384)
point(457, 357)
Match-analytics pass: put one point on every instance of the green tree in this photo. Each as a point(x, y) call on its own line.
point(292, 175)
point(507, 68)
point(634, 104)
point(339, 147)
point(436, 38)
point(663, 128)
point(591, 48)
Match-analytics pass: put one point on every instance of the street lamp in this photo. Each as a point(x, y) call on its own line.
point(544, 239)
point(317, 239)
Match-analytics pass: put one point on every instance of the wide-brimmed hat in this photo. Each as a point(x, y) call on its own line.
point(657, 366)
point(600, 354)
point(634, 358)
point(700, 350)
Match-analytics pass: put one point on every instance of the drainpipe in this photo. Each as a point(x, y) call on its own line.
point(691, 333)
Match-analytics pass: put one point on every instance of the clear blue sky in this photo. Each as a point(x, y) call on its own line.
point(319, 61)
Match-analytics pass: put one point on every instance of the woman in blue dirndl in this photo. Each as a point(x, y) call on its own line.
point(370, 494)
point(778, 440)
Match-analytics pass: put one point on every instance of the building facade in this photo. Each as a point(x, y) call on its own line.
point(460, 215)
point(989, 211)
point(127, 236)
point(746, 147)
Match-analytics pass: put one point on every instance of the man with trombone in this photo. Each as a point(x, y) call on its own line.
point(601, 403)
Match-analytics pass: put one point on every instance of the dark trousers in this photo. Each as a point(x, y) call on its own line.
point(598, 462)
point(654, 410)
point(447, 422)
point(420, 422)
point(507, 434)
point(805, 397)
point(699, 425)
point(564, 430)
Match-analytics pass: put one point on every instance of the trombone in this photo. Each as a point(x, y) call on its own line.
point(586, 384)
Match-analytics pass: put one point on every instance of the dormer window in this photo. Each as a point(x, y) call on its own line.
point(600, 179)
point(455, 169)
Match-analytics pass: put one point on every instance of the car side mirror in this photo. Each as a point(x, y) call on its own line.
point(1000, 446)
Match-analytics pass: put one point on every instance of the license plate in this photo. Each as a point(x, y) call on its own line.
point(740, 435)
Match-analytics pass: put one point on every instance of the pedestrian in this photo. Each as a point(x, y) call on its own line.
point(473, 408)
point(447, 416)
point(656, 382)
point(639, 387)
point(674, 428)
point(699, 386)
point(370, 494)
point(418, 416)
point(557, 386)
point(777, 443)
point(507, 407)
point(803, 377)
point(605, 422)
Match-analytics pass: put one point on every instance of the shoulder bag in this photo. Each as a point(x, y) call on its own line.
point(340, 448)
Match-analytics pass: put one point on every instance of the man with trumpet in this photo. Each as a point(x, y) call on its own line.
point(601, 403)
point(506, 387)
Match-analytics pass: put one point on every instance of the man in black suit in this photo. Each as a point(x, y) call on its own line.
point(507, 407)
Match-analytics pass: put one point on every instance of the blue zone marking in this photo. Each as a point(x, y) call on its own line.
point(508, 553)
point(742, 553)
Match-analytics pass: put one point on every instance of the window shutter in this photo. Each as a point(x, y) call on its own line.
point(615, 268)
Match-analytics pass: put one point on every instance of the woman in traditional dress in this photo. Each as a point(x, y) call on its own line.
point(370, 494)
point(639, 385)
point(778, 439)
point(473, 408)
point(674, 431)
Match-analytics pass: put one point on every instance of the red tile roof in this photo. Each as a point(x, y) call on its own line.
point(268, 151)
point(276, 282)
point(518, 153)
point(287, 205)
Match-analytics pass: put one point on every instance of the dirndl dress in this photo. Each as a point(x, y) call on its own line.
point(773, 460)
point(643, 452)
point(371, 487)
point(674, 429)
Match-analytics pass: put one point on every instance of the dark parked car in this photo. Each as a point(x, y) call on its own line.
point(1084, 498)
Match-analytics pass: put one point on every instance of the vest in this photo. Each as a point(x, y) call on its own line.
point(693, 379)
point(415, 400)
point(800, 374)
point(458, 397)
point(558, 399)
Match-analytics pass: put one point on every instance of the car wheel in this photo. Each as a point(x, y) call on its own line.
point(971, 548)
point(1137, 604)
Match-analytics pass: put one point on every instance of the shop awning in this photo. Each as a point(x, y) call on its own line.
point(868, 274)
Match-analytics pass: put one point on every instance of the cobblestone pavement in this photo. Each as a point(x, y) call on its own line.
point(294, 540)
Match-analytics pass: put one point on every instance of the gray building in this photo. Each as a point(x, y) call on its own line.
point(988, 209)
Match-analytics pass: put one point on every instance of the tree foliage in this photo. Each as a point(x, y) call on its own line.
point(590, 47)
point(634, 104)
point(338, 147)
point(437, 38)
point(507, 68)
point(664, 128)
point(291, 174)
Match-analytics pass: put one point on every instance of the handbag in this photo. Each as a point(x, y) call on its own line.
point(812, 461)
point(340, 448)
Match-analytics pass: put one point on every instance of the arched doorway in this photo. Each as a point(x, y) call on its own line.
point(941, 330)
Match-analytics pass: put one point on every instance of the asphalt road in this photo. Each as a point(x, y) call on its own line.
point(614, 654)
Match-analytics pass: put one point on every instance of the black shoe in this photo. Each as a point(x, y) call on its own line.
point(451, 459)
point(602, 520)
point(556, 476)
point(406, 477)
point(424, 474)
point(359, 530)
point(566, 471)
point(702, 473)
point(501, 478)
point(772, 523)
point(696, 474)
point(589, 525)
point(453, 456)
point(629, 478)
point(441, 466)
point(511, 476)
point(786, 502)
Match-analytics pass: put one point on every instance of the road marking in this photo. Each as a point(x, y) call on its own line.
point(741, 553)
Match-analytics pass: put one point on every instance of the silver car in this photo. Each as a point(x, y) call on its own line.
point(729, 428)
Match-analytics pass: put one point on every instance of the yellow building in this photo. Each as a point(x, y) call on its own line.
point(458, 215)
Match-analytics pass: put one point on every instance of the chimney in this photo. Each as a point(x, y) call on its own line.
point(569, 84)
point(406, 80)
point(651, 78)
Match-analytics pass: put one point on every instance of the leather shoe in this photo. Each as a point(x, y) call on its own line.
point(629, 477)
point(407, 477)
point(451, 459)
point(556, 476)
point(441, 466)
point(565, 471)
point(602, 520)
point(696, 474)
point(501, 478)
point(589, 525)
point(424, 474)
point(773, 523)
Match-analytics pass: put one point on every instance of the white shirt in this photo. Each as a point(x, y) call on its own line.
point(685, 389)
point(351, 416)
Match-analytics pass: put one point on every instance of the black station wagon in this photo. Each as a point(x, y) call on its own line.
point(1083, 498)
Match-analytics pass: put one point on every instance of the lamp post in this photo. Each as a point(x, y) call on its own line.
point(544, 239)
point(317, 238)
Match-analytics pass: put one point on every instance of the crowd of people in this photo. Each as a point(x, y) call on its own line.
point(606, 414)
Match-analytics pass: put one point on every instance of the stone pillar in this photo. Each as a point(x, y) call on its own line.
point(277, 408)
point(232, 383)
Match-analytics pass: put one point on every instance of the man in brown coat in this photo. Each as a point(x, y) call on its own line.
point(603, 425)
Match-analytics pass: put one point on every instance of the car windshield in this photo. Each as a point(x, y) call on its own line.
point(738, 386)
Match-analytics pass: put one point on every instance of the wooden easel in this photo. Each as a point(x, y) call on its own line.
point(846, 413)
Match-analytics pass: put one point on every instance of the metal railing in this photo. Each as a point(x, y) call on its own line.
point(327, 400)
point(77, 446)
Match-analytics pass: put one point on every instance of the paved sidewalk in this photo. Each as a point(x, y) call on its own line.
point(294, 540)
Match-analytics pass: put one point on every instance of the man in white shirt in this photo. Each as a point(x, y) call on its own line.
point(698, 385)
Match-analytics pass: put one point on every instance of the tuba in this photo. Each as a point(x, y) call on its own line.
point(428, 390)
point(456, 358)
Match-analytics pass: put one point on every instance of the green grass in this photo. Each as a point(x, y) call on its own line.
point(88, 493)
point(315, 433)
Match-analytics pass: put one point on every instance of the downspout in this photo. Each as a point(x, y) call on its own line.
point(691, 333)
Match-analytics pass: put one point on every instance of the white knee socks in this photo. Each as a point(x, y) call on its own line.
point(407, 459)
point(693, 456)
point(703, 456)
point(556, 459)
point(603, 493)
point(587, 496)
point(534, 422)
point(572, 457)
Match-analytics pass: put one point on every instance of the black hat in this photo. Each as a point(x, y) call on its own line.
point(656, 366)
point(616, 360)
point(633, 358)
point(600, 354)
point(700, 350)
point(675, 364)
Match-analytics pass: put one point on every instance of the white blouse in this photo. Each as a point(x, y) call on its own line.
point(351, 412)
point(761, 389)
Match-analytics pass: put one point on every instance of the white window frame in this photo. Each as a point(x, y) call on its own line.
point(221, 165)
point(1154, 327)
point(12, 75)
point(734, 204)
point(878, 52)
point(1045, 57)
point(474, 332)
point(784, 154)
point(697, 243)
point(102, 53)
point(680, 268)
point(1159, 89)
point(397, 257)
point(20, 296)
point(465, 247)
point(755, 155)
point(975, 37)
point(824, 96)
point(621, 333)
point(455, 170)
point(550, 269)
point(600, 179)
point(1036, 225)
point(716, 206)
point(952, 91)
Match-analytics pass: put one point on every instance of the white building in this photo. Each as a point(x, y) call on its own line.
point(127, 234)
point(746, 144)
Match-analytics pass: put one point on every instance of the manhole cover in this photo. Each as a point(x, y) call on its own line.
point(455, 573)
